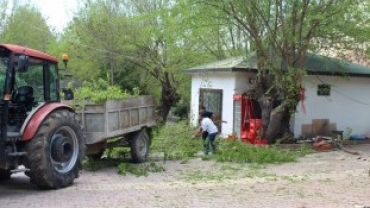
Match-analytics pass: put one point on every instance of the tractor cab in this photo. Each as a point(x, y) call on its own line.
point(28, 80)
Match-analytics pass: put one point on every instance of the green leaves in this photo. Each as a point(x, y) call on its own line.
point(100, 91)
point(235, 151)
point(28, 27)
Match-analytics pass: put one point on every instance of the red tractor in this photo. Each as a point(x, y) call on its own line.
point(37, 130)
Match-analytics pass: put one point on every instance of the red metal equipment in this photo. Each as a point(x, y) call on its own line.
point(247, 120)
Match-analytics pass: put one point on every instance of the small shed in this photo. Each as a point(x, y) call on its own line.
point(336, 94)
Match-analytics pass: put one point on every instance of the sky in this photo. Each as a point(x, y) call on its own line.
point(57, 12)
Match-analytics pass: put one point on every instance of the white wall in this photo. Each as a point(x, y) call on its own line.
point(348, 104)
point(241, 82)
point(230, 83)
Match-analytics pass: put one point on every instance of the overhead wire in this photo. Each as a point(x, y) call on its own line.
point(344, 95)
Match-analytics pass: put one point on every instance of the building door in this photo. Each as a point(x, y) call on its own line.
point(211, 99)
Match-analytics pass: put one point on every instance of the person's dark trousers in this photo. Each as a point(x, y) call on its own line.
point(204, 137)
point(210, 143)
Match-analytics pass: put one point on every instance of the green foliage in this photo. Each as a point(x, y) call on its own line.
point(100, 91)
point(290, 83)
point(70, 85)
point(176, 141)
point(28, 27)
point(182, 109)
point(117, 152)
point(234, 151)
point(145, 41)
point(119, 157)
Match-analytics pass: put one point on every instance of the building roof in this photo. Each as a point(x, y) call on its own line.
point(323, 65)
point(239, 63)
point(314, 64)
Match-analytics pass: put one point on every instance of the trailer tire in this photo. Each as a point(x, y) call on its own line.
point(5, 174)
point(140, 143)
point(55, 153)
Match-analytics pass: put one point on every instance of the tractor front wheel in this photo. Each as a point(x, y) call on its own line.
point(56, 152)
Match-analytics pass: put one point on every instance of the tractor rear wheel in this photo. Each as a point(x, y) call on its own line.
point(55, 153)
point(5, 174)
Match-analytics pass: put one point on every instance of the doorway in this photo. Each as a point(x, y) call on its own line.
point(211, 99)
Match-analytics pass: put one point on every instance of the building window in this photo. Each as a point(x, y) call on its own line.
point(323, 90)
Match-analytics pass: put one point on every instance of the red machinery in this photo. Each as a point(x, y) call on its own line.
point(247, 120)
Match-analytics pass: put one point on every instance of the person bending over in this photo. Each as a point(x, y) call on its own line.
point(208, 126)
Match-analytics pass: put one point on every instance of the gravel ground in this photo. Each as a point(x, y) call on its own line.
point(327, 179)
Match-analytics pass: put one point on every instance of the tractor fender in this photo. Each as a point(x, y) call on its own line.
point(35, 119)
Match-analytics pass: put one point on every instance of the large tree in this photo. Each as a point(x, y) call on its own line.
point(94, 40)
point(3, 10)
point(139, 42)
point(282, 32)
point(26, 26)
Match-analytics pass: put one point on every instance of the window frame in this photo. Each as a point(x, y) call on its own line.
point(323, 89)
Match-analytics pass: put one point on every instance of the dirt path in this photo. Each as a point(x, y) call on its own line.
point(330, 179)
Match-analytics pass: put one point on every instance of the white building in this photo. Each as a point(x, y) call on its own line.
point(337, 94)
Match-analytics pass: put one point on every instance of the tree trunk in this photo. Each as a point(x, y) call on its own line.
point(276, 126)
point(275, 112)
point(169, 98)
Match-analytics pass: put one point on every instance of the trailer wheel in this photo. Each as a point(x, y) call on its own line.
point(140, 143)
point(5, 174)
point(55, 153)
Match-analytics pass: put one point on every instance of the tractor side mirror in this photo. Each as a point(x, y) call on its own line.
point(23, 62)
